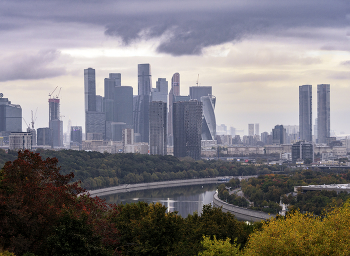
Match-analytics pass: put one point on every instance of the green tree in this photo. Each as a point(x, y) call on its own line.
point(213, 247)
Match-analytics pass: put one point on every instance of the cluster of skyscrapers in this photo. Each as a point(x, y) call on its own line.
point(156, 117)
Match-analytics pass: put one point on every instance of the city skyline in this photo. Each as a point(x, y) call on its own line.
point(254, 58)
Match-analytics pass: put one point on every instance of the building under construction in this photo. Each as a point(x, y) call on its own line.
point(55, 124)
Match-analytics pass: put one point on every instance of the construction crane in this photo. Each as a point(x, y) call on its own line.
point(26, 122)
point(197, 80)
point(33, 118)
point(58, 93)
point(52, 92)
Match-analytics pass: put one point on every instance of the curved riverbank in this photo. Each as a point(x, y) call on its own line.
point(240, 212)
point(162, 184)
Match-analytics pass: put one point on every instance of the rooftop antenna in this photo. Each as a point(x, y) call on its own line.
point(197, 79)
point(52, 92)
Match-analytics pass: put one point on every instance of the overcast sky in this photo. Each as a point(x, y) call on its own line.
point(254, 53)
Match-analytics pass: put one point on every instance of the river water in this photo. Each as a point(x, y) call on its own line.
point(185, 199)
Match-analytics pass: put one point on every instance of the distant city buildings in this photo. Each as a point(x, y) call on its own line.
point(323, 112)
point(304, 151)
point(174, 91)
point(250, 129)
point(305, 112)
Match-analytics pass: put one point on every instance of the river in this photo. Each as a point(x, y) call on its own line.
point(184, 199)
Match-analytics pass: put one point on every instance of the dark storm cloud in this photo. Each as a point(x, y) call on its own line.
point(27, 67)
point(185, 27)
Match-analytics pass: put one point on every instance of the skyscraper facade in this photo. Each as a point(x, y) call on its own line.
point(323, 112)
point(279, 135)
point(208, 121)
point(160, 93)
point(90, 89)
point(55, 124)
point(256, 132)
point(123, 105)
point(110, 83)
point(44, 136)
point(196, 92)
point(187, 128)
point(76, 134)
point(144, 79)
point(201, 93)
point(141, 102)
point(305, 112)
point(10, 116)
point(174, 91)
point(158, 128)
point(250, 129)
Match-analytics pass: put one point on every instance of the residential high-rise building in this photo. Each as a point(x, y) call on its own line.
point(323, 112)
point(279, 135)
point(174, 91)
point(208, 121)
point(305, 112)
point(187, 128)
point(158, 128)
point(250, 129)
point(10, 116)
point(99, 103)
point(144, 79)
point(90, 89)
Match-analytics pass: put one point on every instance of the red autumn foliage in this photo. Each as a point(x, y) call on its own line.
point(34, 196)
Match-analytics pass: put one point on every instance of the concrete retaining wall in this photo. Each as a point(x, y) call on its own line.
point(239, 212)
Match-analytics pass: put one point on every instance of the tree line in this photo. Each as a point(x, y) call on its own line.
point(42, 212)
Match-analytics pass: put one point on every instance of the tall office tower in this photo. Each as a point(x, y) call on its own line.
point(144, 79)
point(197, 93)
point(128, 141)
point(10, 116)
point(44, 136)
point(76, 134)
point(99, 103)
point(250, 129)
point(174, 91)
point(305, 112)
point(157, 128)
point(323, 112)
point(187, 128)
point(90, 89)
point(110, 83)
point(279, 135)
point(141, 102)
point(123, 105)
point(315, 130)
point(55, 124)
point(117, 129)
point(160, 93)
point(95, 119)
point(256, 129)
point(141, 116)
point(208, 121)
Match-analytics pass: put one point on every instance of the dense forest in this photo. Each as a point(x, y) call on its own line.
point(266, 191)
point(99, 170)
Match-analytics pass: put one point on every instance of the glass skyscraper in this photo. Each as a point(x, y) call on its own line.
point(323, 112)
point(305, 112)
